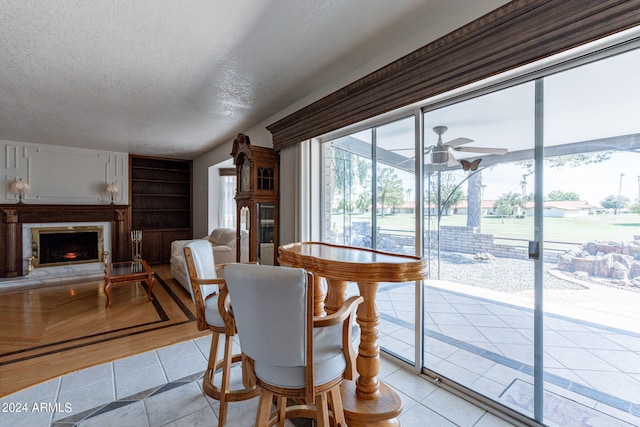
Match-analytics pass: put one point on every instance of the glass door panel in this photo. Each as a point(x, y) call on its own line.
point(592, 235)
point(396, 231)
point(266, 221)
point(478, 221)
point(348, 215)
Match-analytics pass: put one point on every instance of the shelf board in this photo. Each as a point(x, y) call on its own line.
point(160, 210)
point(161, 181)
point(153, 168)
point(159, 195)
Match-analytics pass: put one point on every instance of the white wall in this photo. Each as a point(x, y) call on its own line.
point(391, 47)
point(62, 175)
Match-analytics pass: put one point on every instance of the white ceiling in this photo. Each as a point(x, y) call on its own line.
point(176, 78)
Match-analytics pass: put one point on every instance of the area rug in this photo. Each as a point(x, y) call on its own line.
point(558, 411)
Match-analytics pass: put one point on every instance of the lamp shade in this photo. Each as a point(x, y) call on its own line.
point(19, 186)
point(112, 188)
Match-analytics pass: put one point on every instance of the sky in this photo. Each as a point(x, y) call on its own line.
point(593, 182)
point(580, 105)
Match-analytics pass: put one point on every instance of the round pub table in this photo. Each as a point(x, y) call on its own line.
point(367, 401)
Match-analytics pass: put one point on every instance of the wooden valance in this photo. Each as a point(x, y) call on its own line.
point(518, 33)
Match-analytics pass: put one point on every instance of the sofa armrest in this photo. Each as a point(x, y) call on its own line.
point(177, 245)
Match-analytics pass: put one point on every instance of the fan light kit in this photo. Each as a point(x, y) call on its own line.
point(441, 153)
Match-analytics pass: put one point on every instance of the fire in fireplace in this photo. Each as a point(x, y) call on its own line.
point(53, 246)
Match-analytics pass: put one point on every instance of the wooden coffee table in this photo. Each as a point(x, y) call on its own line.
point(127, 272)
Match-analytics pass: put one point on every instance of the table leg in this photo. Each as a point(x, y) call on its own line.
point(336, 295)
point(150, 281)
point(107, 291)
point(368, 401)
point(318, 296)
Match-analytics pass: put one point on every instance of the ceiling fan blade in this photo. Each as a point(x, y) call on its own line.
point(452, 161)
point(458, 141)
point(487, 150)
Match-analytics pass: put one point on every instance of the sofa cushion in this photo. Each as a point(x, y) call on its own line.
point(223, 237)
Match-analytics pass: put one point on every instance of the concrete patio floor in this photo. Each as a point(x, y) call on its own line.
point(483, 340)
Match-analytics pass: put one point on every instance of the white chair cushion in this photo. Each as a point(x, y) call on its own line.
point(205, 266)
point(269, 304)
point(211, 312)
point(329, 362)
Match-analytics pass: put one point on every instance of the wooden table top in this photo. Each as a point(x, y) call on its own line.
point(353, 264)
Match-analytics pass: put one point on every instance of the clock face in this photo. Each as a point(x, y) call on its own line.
point(244, 176)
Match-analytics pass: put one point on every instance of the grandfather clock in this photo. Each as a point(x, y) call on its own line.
point(257, 201)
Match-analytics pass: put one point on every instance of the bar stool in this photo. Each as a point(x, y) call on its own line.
point(213, 314)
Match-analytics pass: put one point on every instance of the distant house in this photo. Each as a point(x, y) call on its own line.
point(559, 209)
point(462, 208)
point(564, 209)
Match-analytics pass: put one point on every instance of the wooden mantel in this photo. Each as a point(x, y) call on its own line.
point(12, 217)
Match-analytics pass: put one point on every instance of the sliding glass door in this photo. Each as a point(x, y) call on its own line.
point(479, 332)
point(592, 231)
point(528, 205)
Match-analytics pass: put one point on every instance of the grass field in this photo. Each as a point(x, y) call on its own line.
point(571, 230)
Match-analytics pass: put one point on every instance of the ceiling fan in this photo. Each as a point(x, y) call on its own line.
point(442, 152)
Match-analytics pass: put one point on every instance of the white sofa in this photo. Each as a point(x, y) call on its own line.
point(223, 244)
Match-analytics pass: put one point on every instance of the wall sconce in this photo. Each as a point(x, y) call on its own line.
point(112, 189)
point(20, 188)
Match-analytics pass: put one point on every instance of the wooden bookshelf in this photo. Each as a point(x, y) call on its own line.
point(161, 203)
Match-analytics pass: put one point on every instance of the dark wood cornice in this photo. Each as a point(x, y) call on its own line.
point(518, 33)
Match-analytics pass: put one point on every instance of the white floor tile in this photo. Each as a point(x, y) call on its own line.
point(140, 380)
point(174, 404)
point(453, 408)
point(133, 414)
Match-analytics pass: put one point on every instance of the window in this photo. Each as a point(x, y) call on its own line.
point(227, 199)
point(532, 238)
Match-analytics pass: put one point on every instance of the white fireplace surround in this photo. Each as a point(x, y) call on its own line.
point(64, 270)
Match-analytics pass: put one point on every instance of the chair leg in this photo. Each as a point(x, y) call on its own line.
point(226, 379)
point(322, 410)
point(264, 408)
point(281, 408)
point(335, 400)
point(213, 352)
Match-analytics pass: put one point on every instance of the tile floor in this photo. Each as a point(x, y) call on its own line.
point(163, 388)
point(484, 341)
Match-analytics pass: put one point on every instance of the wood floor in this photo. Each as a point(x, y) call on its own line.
point(51, 331)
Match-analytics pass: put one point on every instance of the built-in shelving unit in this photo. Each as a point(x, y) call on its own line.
point(161, 203)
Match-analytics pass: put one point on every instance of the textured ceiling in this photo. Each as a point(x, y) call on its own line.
point(176, 78)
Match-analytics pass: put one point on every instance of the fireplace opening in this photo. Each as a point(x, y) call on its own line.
point(66, 245)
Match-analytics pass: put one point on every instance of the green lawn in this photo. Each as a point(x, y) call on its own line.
point(572, 230)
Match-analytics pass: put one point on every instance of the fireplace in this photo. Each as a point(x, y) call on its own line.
point(51, 246)
point(16, 240)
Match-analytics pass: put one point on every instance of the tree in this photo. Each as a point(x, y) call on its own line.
point(474, 202)
point(614, 202)
point(390, 191)
point(364, 201)
point(351, 170)
point(573, 160)
point(507, 203)
point(345, 205)
point(557, 196)
point(450, 193)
